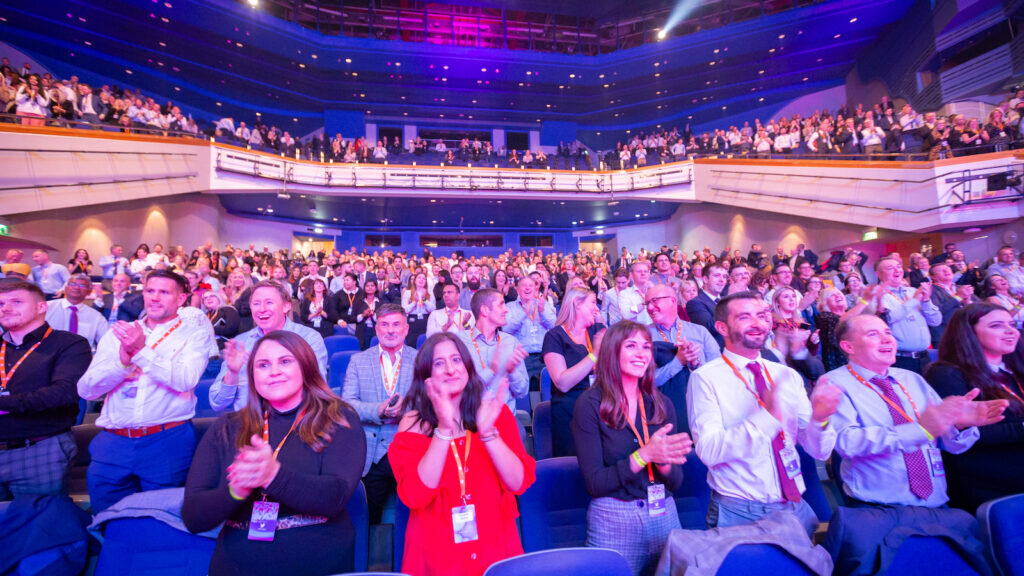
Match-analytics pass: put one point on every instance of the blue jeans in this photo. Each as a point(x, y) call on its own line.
point(725, 511)
point(122, 466)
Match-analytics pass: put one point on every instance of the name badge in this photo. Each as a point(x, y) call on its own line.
point(349, 311)
point(263, 523)
point(533, 329)
point(5, 392)
point(316, 322)
point(790, 461)
point(464, 523)
point(656, 505)
point(934, 456)
point(130, 391)
point(590, 380)
point(369, 323)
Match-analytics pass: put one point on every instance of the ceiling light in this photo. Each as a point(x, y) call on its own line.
point(572, 75)
point(662, 34)
point(781, 36)
point(254, 3)
point(852, 20)
point(348, 60)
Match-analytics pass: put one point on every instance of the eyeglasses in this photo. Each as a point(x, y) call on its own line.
point(654, 301)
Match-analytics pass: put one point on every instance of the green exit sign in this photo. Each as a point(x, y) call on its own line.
point(5, 230)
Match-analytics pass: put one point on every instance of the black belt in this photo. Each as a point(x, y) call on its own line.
point(21, 443)
point(914, 355)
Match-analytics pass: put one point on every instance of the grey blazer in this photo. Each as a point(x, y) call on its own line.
point(364, 390)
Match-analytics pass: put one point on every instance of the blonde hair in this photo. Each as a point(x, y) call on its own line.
point(573, 298)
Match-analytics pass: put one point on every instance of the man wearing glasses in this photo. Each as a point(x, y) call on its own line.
point(72, 314)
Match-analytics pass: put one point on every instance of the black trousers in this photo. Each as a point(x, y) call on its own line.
point(380, 483)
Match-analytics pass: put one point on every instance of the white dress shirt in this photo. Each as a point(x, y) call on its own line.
point(91, 324)
point(463, 321)
point(632, 306)
point(732, 433)
point(158, 385)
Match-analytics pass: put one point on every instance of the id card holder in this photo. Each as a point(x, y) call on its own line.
point(349, 311)
point(464, 523)
point(934, 456)
point(790, 461)
point(656, 500)
point(533, 329)
point(590, 380)
point(263, 523)
point(5, 392)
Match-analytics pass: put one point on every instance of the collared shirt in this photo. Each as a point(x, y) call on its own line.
point(113, 266)
point(733, 434)
point(632, 306)
point(689, 331)
point(462, 321)
point(413, 305)
point(51, 278)
point(610, 306)
point(41, 399)
point(91, 324)
point(158, 385)
point(667, 280)
point(872, 446)
point(1013, 273)
point(909, 318)
point(529, 328)
point(484, 352)
point(224, 397)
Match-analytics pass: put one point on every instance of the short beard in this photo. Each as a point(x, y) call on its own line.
point(474, 284)
point(748, 342)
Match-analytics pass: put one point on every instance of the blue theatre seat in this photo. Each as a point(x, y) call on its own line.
point(545, 385)
point(359, 512)
point(398, 539)
point(815, 493)
point(694, 495)
point(524, 403)
point(589, 561)
point(148, 547)
point(747, 559)
point(1001, 520)
point(336, 368)
point(203, 407)
point(542, 443)
point(339, 343)
point(928, 556)
point(553, 512)
point(420, 340)
point(374, 341)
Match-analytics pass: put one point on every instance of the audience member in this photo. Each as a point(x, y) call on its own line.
point(223, 317)
point(496, 360)
point(364, 311)
point(909, 313)
point(529, 318)
point(39, 367)
point(462, 501)
point(147, 371)
point(632, 510)
point(246, 473)
point(48, 276)
point(611, 309)
point(451, 318)
point(72, 314)
point(701, 309)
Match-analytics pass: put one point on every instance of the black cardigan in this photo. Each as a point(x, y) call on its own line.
point(994, 466)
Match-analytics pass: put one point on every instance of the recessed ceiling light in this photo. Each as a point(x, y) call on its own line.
point(852, 20)
point(348, 60)
point(781, 36)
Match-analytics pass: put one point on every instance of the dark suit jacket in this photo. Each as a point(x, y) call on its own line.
point(128, 311)
point(367, 276)
point(702, 311)
point(97, 104)
point(776, 260)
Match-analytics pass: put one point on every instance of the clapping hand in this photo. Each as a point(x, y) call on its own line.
point(665, 448)
point(235, 356)
point(977, 413)
point(824, 400)
point(444, 408)
point(254, 467)
point(490, 408)
point(132, 339)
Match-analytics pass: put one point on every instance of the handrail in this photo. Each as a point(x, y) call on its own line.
point(103, 182)
point(112, 128)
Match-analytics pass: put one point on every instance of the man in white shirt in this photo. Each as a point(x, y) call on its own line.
point(114, 263)
point(746, 417)
point(71, 313)
point(148, 371)
point(611, 302)
point(451, 318)
point(631, 300)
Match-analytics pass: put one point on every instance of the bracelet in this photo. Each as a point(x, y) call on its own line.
point(639, 459)
point(489, 437)
point(233, 495)
point(928, 434)
point(592, 357)
point(440, 435)
point(862, 301)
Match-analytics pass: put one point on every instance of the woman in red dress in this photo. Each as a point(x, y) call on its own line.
point(459, 464)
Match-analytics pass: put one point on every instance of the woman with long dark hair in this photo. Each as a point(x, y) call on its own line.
point(364, 312)
point(418, 304)
point(459, 464)
point(291, 458)
point(630, 460)
point(981, 349)
point(313, 309)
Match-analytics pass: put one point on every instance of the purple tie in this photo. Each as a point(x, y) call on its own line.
point(73, 321)
point(917, 465)
point(789, 489)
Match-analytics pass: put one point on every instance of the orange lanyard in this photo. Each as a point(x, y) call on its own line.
point(1011, 392)
point(459, 466)
point(475, 345)
point(895, 406)
point(166, 334)
point(586, 336)
point(532, 317)
point(390, 389)
point(6, 376)
point(643, 422)
point(371, 305)
point(351, 298)
point(897, 296)
point(266, 430)
point(751, 390)
point(679, 331)
point(457, 323)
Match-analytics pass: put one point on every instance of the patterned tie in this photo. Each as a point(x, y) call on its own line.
point(789, 489)
point(73, 321)
point(917, 465)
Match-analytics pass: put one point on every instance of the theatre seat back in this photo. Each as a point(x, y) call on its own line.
point(553, 512)
point(359, 513)
point(747, 559)
point(586, 561)
point(148, 547)
point(542, 443)
point(928, 556)
point(1001, 521)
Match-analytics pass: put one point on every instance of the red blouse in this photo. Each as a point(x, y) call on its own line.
point(430, 546)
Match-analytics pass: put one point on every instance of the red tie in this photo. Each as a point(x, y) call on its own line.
point(917, 466)
point(789, 489)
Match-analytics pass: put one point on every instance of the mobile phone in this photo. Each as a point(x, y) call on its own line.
point(393, 401)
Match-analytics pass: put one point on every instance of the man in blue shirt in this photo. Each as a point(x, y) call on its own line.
point(271, 306)
point(908, 312)
point(50, 277)
point(495, 356)
point(528, 319)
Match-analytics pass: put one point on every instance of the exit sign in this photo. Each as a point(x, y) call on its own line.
point(5, 230)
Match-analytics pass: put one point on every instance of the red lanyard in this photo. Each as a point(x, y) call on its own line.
point(586, 336)
point(679, 331)
point(459, 466)
point(643, 422)
point(895, 406)
point(751, 390)
point(390, 388)
point(266, 430)
point(1010, 391)
point(475, 345)
point(6, 376)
